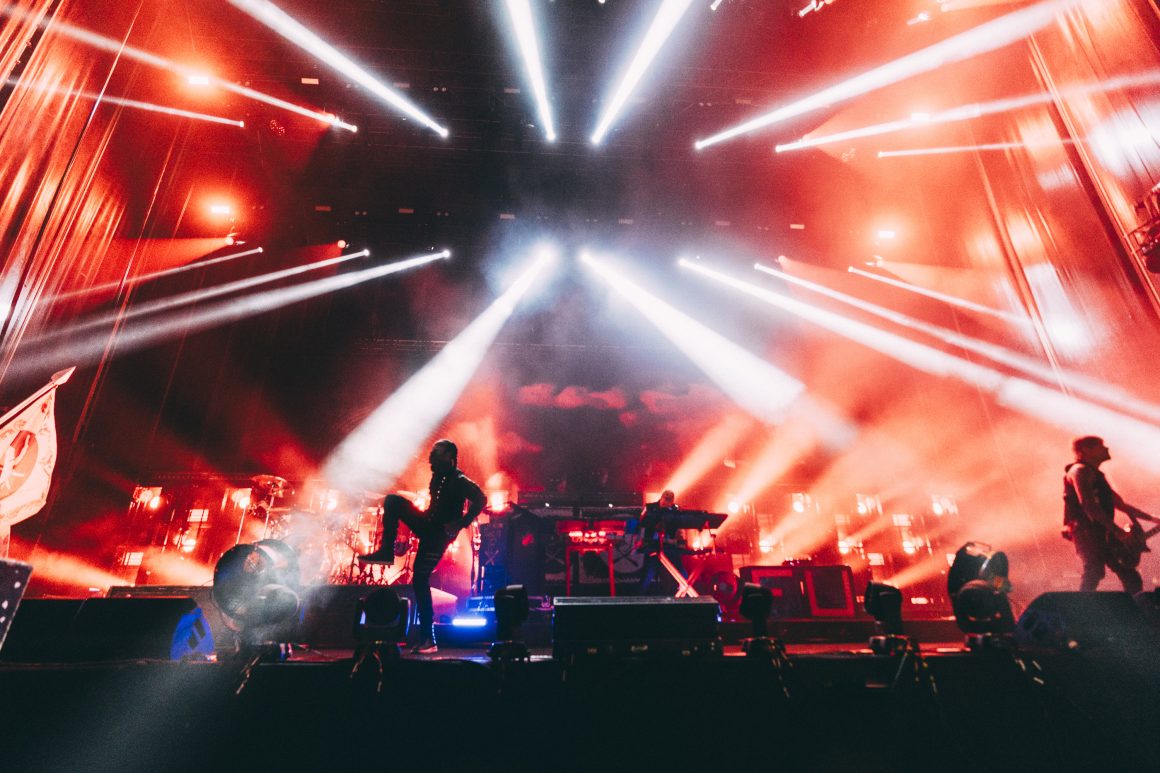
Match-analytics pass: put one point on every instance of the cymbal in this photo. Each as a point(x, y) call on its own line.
point(268, 481)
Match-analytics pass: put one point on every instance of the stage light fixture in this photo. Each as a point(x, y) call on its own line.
point(286, 26)
point(511, 610)
point(756, 604)
point(383, 617)
point(382, 620)
point(884, 603)
point(525, 29)
point(1140, 439)
point(414, 410)
point(255, 586)
point(987, 37)
point(663, 24)
point(978, 584)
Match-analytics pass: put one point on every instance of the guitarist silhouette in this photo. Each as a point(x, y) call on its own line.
point(1089, 505)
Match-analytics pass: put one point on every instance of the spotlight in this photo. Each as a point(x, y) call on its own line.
point(884, 603)
point(255, 587)
point(511, 610)
point(978, 585)
point(726, 589)
point(756, 601)
point(383, 619)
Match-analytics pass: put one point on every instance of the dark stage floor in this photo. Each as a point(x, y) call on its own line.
point(830, 707)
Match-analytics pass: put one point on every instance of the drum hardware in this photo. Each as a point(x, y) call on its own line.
point(263, 492)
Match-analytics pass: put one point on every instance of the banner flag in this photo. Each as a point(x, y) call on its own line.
point(28, 454)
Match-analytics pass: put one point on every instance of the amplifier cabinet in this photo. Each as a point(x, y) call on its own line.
point(803, 591)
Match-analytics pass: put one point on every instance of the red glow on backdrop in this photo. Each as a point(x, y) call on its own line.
point(715, 446)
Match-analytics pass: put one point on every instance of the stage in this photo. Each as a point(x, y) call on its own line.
point(456, 712)
point(825, 706)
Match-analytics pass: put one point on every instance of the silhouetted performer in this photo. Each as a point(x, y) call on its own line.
point(658, 533)
point(1089, 506)
point(455, 502)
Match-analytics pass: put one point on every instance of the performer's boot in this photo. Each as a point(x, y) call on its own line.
point(426, 645)
point(386, 552)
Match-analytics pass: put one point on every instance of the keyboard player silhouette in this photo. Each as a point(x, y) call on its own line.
point(658, 537)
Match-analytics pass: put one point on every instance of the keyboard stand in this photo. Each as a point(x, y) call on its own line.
point(684, 585)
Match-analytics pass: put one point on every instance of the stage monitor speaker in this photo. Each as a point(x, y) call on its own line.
point(328, 612)
point(223, 635)
point(13, 582)
point(1075, 620)
point(618, 626)
point(71, 630)
point(805, 591)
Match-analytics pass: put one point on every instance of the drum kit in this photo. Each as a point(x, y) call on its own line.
point(328, 531)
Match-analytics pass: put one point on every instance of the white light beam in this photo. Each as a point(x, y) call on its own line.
point(1139, 439)
point(379, 450)
point(90, 347)
point(1030, 366)
point(666, 20)
point(286, 26)
point(525, 28)
point(990, 36)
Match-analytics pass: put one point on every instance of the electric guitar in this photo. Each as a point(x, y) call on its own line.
point(1126, 547)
